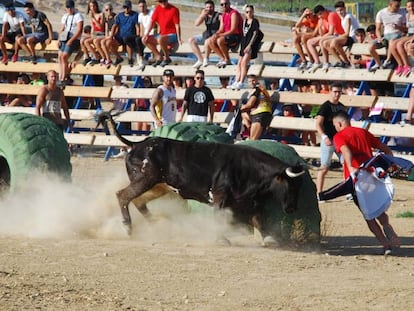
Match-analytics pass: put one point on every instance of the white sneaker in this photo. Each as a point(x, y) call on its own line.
point(140, 66)
point(232, 86)
point(309, 66)
point(315, 67)
point(239, 85)
point(197, 64)
point(326, 66)
point(121, 154)
point(303, 66)
point(205, 62)
point(374, 68)
point(405, 123)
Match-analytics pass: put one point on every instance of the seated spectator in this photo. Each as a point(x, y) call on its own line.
point(211, 18)
point(359, 61)
point(144, 21)
point(229, 33)
point(97, 30)
point(286, 133)
point(13, 28)
point(99, 42)
point(21, 100)
point(42, 32)
point(304, 29)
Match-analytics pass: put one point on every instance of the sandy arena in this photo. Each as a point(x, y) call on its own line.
point(63, 247)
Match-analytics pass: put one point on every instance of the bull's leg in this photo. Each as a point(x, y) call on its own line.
point(265, 237)
point(152, 194)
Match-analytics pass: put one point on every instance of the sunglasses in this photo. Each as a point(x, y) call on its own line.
point(247, 12)
point(108, 9)
point(224, 3)
point(199, 78)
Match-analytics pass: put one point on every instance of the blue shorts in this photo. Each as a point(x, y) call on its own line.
point(172, 37)
point(199, 39)
point(326, 154)
point(69, 49)
point(39, 36)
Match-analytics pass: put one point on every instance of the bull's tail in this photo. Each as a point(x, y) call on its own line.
point(106, 119)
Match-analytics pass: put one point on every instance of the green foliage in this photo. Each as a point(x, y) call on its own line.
point(406, 214)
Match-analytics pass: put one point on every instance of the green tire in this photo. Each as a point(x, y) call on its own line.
point(30, 143)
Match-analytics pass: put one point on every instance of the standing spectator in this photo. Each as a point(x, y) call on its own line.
point(143, 104)
point(13, 28)
point(257, 112)
point(97, 30)
point(249, 46)
point(144, 21)
point(389, 26)
point(211, 19)
point(329, 26)
point(355, 145)
point(198, 100)
point(69, 38)
point(229, 33)
point(50, 101)
point(167, 17)
point(163, 105)
point(99, 42)
point(305, 28)
point(326, 130)
point(41, 32)
point(124, 32)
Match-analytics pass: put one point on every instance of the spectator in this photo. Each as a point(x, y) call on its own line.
point(143, 104)
point(167, 17)
point(229, 33)
point(69, 38)
point(98, 30)
point(41, 32)
point(144, 21)
point(163, 105)
point(355, 145)
point(50, 101)
point(99, 42)
point(211, 19)
point(249, 46)
point(13, 28)
point(21, 100)
point(390, 22)
point(257, 112)
point(359, 61)
point(198, 101)
point(189, 82)
point(304, 29)
point(335, 45)
point(329, 26)
point(400, 52)
point(326, 130)
point(124, 32)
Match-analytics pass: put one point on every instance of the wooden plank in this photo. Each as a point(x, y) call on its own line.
point(74, 91)
point(284, 49)
point(51, 47)
point(28, 67)
point(393, 103)
point(400, 79)
point(266, 47)
point(96, 70)
point(187, 70)
point(80, 139)
point(363, 49)
point(318, 99)
point(333, 74)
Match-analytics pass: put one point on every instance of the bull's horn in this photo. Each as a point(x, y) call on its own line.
point(290, 173)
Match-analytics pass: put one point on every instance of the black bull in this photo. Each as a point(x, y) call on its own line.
point(234, 176)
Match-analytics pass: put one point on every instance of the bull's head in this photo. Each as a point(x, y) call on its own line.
point(288, 186)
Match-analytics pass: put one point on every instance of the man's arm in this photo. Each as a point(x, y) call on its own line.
point(158, 93)
point(319, 128)
point(212, 109)
point(347, 157)
point(40, 99)
point(183, 110)
point(201, 18)
point(65, 109)
point(49, 31)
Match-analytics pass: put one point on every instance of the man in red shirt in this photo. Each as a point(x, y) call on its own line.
point(167, 17)
point(355, 145)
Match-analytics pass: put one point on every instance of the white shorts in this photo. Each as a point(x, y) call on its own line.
point(195, 118)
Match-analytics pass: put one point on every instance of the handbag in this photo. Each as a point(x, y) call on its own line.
point(65, 34)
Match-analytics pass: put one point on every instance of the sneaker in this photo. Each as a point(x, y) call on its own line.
point(239, 85)
point(205, 62)
point(5, 59)
point(387, 64)
point(197, 65)
point(15, 57)
point(108, 63)
point(86, 61)
point(387, 251)
point(302, 66)
point(375, 68)
point(392, 237)
point(399, 70)
point(315, 67)
point(131, 63)
point(338, 65)
point(319, 199)
point(140, 66)
point(405, 122)
point(326, 66)
point(309, 65)
point(232, 86)
point(165, 62)
point(406, 71)
point(93, 62)
point(118, 61)
point(33, 59)
point(102, 61)
point(157, 62)
point(220, 64)
point(349, 197)
point(121, 154)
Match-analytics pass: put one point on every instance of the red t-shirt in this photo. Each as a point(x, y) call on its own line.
point(166, 18)
point(359, 141)
point(332, 19)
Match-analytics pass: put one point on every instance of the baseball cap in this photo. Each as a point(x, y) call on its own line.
point(70, 4)
point(127, 4)
point(168, 72)
point(10, 8)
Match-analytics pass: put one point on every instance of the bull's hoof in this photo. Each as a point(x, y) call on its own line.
point(269, 241)
point(223, 241)
point(128, 228)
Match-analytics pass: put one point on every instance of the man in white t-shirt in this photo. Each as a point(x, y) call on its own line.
point(13, 27)
point(144, 21)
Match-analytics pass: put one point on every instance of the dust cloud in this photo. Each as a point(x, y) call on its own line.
point(48, 208)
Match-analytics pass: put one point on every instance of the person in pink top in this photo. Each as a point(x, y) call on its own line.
point(329, 26)
point(229, 33)
point(167, 17)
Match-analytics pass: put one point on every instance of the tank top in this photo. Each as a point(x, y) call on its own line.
point(166, 108)
point(52, 105)
point(227, 22)
point(97, 27)
point(263, 103)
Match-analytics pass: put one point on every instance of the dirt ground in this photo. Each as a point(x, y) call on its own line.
point(63, 247)
point(66, 248)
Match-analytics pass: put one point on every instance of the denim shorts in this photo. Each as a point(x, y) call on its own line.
point(326, 154)
point(69, 48)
